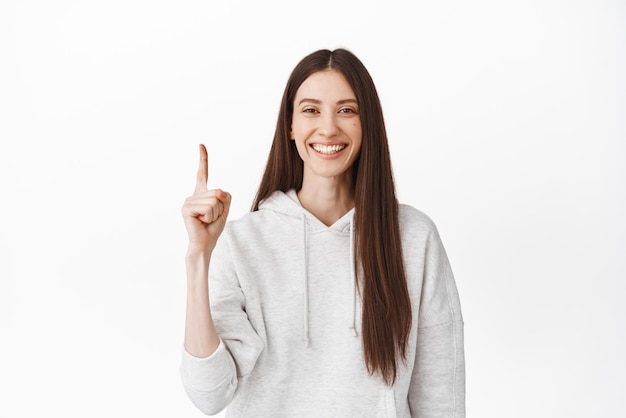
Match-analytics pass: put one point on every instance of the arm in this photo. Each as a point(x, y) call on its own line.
point(205, 214)
point(212, 382)
point(438, 380)
point(207, 371)
point(201, 338)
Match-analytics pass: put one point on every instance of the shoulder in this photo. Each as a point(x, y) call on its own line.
point(246, 218)
point(417, 229)
point(413, 218)
point(243, 233)
point(260, 227)
point(248, 223)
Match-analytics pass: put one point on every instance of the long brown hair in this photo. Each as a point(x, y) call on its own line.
point(386, 315)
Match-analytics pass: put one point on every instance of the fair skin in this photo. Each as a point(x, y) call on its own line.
point(205, 214)
point(326, 128)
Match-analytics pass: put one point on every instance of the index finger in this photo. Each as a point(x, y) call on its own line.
point(203, 171)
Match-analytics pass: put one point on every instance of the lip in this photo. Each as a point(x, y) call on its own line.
point(332, 155)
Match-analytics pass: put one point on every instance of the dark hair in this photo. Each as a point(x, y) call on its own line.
point(386, 315)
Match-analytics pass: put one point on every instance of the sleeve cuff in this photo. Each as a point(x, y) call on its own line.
point(205, 374)
point(193, 358)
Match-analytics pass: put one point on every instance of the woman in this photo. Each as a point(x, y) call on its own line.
point(329, 299)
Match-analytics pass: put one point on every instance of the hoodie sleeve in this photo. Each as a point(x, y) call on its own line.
point(438, 380)
point(212, 382)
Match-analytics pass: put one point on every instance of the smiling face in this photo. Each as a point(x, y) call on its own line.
point(326, 126)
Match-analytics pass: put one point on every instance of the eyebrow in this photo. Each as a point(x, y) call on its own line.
point(316, 101)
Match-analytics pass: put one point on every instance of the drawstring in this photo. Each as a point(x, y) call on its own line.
point(306, 286)
point(353, 278)
point(306, 337)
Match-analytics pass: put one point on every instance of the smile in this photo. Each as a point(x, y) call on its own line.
point(328, 149)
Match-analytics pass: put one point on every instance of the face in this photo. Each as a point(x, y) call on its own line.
point(326, 125)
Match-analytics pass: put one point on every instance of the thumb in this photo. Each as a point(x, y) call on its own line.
point(225, 198)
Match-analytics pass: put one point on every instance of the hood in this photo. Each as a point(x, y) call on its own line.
point(287, 203)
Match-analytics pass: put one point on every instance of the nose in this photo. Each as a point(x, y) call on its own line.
point(328, 125)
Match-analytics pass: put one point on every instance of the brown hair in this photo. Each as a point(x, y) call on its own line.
point(386, 315)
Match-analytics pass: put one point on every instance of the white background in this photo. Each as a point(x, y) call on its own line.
point(507, 126)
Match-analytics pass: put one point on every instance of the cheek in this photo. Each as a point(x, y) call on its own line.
point(357, 126)
point(301, 149)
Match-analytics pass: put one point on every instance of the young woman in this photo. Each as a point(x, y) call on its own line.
point(329, 299)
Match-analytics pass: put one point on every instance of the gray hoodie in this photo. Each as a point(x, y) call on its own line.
point(286, 306)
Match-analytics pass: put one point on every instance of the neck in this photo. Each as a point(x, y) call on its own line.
point(327, 199)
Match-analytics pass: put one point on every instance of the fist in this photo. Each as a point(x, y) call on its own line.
point(205, 211)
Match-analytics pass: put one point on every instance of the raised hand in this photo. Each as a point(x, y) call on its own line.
point(205, 211)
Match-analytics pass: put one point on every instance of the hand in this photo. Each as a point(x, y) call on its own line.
point(205, 211)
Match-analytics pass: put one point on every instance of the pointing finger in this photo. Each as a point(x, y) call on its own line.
point(203, 171)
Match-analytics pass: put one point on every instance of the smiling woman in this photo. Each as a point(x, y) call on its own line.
point(326, 127)
point(330, 298)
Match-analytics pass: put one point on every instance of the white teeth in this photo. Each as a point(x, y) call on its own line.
point(328, 149)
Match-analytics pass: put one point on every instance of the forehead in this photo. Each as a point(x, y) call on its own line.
point(326, 85)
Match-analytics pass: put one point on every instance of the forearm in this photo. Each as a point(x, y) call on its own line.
point(201, 337)
point(438, 382)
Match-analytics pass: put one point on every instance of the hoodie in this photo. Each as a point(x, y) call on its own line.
point(285, 302)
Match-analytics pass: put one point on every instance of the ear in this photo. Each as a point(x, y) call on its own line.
point(292, 136)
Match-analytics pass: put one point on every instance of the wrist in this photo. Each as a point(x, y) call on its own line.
point(197, 263)
point(198, 251)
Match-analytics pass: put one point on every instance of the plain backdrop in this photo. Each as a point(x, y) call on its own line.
point(507, 126)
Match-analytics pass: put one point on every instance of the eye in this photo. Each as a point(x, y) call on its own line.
point(347, 110)
point(309, 110)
